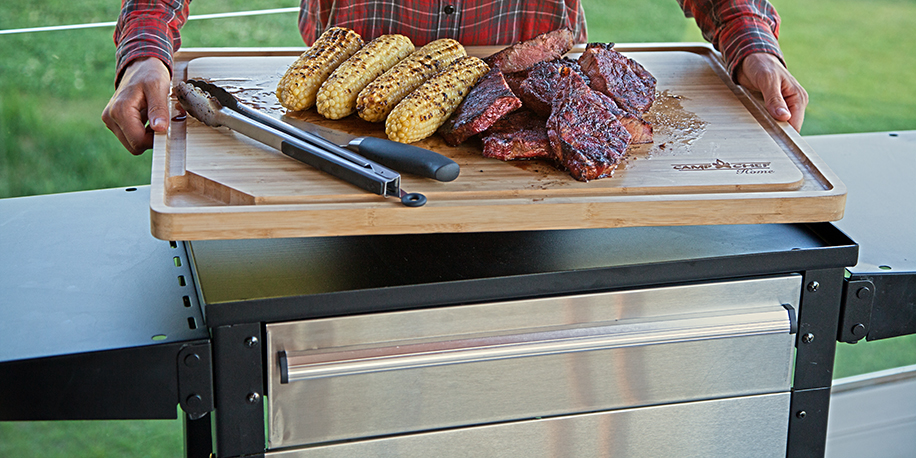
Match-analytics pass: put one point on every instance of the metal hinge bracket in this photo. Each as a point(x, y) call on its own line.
point(855, 311)
point(195, 380)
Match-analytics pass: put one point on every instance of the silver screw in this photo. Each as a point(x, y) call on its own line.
point(253, 398)
point(813, 286)
point(808, 338)
point(251, 342)
point(801, 414)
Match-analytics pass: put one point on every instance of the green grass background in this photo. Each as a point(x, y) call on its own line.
point(855, 58)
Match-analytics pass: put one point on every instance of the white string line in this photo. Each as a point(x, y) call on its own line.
point(55, 28)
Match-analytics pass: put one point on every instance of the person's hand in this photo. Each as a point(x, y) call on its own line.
point(784, 97)
point(142, 95)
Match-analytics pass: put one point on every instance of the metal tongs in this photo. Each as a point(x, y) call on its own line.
point(216, 107)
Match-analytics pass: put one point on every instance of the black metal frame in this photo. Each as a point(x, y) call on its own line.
point(239, 390)
point(815, 349)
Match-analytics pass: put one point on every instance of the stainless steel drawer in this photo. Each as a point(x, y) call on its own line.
point(404, 372)
point(747, 426)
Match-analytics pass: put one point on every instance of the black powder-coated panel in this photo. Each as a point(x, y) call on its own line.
point(125, 384)
point(81, 273)
point(281, 279)
point(239, 390)
point(893, 312)
point(808, 412)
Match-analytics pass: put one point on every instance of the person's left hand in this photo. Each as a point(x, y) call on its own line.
point(784, 97)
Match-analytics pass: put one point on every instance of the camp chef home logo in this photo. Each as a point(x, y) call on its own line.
point(741, 168)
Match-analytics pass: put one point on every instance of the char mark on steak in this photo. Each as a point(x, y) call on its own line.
point(490, 100)
point(522, 55)
point(621, 78)
point(519, 135)
point(585, 135)
point(539, 85)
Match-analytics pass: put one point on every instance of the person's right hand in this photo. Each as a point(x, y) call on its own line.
point(142, 95)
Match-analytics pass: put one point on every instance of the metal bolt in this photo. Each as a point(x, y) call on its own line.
point(808, 338)
point(858, 330)
point(194, 401)
point(813, 286)
point(251, 342)
point(863, 292)
point(801, 414)
point(192, 360)
point(253, 398)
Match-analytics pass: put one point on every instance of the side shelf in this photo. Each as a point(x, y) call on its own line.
point(96, 312)
point(878, 170)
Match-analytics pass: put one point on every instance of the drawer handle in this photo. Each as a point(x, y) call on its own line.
point(314, 364)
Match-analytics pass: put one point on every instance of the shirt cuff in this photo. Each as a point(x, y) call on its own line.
point(136, 40)
point(739, 39)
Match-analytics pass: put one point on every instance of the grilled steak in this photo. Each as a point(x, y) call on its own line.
point(515, 79)
point(539, 86)
point(585, 135)
point(593, 107)
point(618, 76)
point(490, 100)
point(519, 135)
point(640, 130)
point(522, 55)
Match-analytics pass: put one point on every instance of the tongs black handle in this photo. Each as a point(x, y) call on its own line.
point(408, 158)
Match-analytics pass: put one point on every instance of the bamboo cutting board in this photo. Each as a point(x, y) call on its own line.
point(717, 158)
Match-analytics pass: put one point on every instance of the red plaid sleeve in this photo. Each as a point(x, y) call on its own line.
point(148, 28)
point(492, 22)
point(736, 28)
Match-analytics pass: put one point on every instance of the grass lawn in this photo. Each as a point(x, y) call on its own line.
point(853, 57)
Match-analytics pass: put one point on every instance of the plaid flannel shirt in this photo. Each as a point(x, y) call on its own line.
point(736, 27)
point(150, 28)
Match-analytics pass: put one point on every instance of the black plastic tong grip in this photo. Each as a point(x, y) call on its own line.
point(408, 158)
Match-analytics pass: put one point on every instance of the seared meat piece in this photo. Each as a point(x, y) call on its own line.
point(618, 76)
point(585, 135)
point(519, 135)
point(490, 100)
point(515, 79)
point(539, 86)
point(522, 55)
point(640, 130)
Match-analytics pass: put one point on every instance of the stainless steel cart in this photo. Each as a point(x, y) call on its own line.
point(631, 342)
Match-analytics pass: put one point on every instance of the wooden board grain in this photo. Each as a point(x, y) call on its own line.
point(717, 159)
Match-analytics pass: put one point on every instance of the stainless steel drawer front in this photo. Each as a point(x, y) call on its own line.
point(752, 426)
point(365, 376)
point(307, 365)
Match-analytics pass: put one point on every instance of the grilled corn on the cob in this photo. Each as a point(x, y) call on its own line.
point(381, 95)
point(337, 95)
point(425, 109)
point(298, 87)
